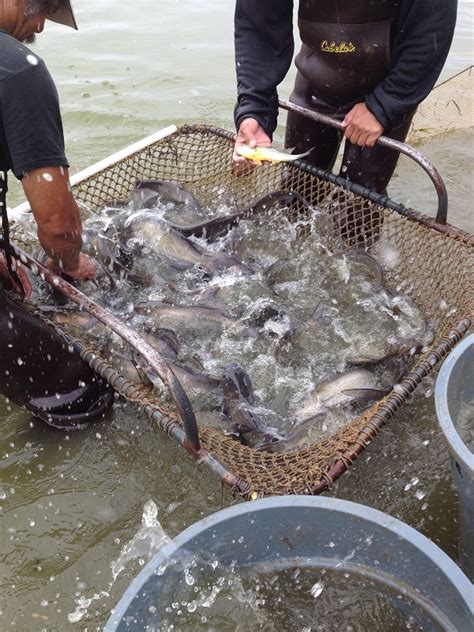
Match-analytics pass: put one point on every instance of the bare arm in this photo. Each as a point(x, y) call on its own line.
point(57, 216)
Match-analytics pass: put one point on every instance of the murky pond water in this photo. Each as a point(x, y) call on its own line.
point(70, 503)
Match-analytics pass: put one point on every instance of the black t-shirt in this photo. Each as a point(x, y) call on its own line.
point(31, 131)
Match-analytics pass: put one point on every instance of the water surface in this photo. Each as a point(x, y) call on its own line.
point(70, 502)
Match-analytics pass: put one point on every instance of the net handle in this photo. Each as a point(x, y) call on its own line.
point(403, 148)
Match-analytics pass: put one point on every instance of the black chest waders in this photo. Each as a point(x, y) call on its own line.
point(345, 54)
point(78, 394)
point(345, 49)
point(5, 240)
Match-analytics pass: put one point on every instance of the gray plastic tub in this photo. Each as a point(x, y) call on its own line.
point(305, 532)
point(454, 396)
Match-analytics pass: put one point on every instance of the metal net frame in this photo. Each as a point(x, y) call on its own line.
point(434, 266)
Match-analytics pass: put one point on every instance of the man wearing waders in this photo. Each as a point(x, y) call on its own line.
point(368, 63)
point(37, 370)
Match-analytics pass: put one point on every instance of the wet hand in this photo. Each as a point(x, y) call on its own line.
point(250, 133)
point(9, 282)
point(361, 127)
point(85, 270)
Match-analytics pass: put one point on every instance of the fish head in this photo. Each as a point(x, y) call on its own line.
point(169, 337)
point(245, 151)
point(236, 383)
point(144, 198)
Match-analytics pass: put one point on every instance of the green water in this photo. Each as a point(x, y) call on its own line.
point(69, 503)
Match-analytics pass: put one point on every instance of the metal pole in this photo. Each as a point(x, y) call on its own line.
point(403, 148)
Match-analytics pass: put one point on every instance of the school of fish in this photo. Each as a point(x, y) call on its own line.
point(255, 322)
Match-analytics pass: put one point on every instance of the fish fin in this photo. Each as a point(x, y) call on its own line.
point(193, 364)
point(368, 362)
point(170, 337)
point(306, 153)
point(237, 245)
point(365, 393)
point(317, 314)
point(145, 372)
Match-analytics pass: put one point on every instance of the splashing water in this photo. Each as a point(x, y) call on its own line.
point(147, 541)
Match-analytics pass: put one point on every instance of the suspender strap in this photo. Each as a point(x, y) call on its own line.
point(5, 242)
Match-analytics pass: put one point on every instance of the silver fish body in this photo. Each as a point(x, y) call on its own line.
point(115, 255)
point(356, 385)
point(168, 316)
point(370, 261)
point(153, 191)
point(239, 408)
point(220, 225)
point(194, 382)
point(158, 238)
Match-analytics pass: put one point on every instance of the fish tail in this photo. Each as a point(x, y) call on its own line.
point(306, 153)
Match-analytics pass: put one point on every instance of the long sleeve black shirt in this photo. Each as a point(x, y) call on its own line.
point(421, 36)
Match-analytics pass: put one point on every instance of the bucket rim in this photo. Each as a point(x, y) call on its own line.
point(437, 556)
point(459, 450)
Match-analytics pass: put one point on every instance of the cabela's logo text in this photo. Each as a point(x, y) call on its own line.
point(340, 47)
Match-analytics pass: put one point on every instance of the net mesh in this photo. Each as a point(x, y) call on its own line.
point(433, 265)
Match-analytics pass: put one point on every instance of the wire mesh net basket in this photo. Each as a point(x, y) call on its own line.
point(434, 265)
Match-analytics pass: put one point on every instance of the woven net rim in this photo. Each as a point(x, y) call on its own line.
point(309, 470)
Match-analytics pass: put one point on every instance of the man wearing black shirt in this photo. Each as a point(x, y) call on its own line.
point(368, 63)
point(36, 368)
point(31, 134)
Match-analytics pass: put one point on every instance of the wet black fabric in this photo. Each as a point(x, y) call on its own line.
point(371, 167)
point(31, 131)
point(39, 372)
point(37, 369)
point(345, 51)
point(420, 38)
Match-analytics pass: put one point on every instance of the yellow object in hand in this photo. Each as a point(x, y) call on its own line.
point(260, 153)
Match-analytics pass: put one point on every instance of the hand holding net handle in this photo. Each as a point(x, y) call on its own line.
point(403, 148)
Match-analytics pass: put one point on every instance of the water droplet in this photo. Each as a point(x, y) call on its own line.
point(317, 589)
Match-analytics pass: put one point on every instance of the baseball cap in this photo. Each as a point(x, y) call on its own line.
point(64, 15)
